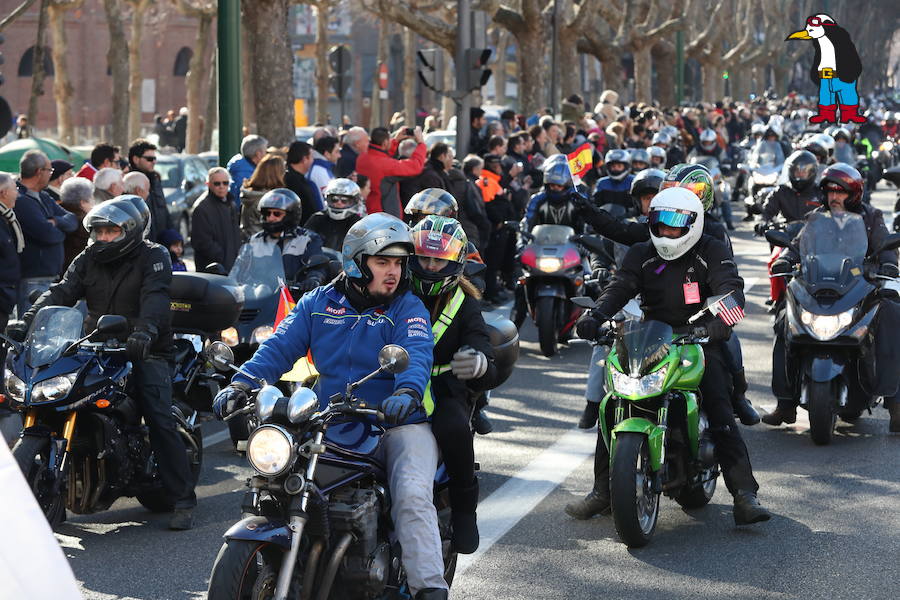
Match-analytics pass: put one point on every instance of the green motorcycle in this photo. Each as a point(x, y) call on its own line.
point(652, 423)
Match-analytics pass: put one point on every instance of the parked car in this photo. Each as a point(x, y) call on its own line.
point(183, 176)
point(11, 153)
point(210, 158)
point(440, 135)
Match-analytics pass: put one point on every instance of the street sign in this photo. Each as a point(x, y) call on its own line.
point(382, 76)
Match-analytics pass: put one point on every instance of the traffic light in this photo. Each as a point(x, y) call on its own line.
point(340, 60)
point(475, 72)
point(431, 66)
point(724, 74)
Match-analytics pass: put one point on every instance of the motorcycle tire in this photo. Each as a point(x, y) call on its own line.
point(31, 454)
point(821, 398)
point(545, 319)
point(699, 495)
point(635, 507)
point(248, 569)
point(519, 310)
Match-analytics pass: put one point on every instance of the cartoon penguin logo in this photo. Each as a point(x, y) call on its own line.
point(835, 68)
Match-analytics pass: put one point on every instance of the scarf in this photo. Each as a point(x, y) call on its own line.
point(8, 214)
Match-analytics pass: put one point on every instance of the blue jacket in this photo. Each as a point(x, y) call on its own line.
point(43, 254)
point(240, 169)
point(344, 345)
point(610, 191)
point(297, 246)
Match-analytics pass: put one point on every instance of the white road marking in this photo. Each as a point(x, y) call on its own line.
point(520, 494)
point(749, 282)
point(219, 436)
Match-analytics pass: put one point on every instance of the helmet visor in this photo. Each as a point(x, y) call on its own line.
point(672, 217)
point(108, 213)
point(338, 201)
point(698, 188)
point(437, 244)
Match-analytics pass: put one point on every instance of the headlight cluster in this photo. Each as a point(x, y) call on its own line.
point(270, 450)
point(648, 385)
point(826, 327)
point(230, 337)
point(53, 388)
point(549, 264)
point(261, 334)
point(15, 387)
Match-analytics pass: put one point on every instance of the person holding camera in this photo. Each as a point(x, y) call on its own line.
point(384, 171)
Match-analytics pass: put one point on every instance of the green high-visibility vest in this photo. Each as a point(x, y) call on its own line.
point(440, 326)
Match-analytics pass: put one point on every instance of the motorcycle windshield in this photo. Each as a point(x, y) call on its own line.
point(258, 270)
point(767, 153)
point(710, 162)
point(54, 328)
point(552, 235)
point(641, 345)
point(832, 249)
point(844, 153)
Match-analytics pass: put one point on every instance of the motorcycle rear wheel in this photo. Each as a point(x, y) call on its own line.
point(247, 570)
point(821, 400)
point(158, 500)
point(635, 507)
point(545, 320)
point(32, 454)
point(698, 495)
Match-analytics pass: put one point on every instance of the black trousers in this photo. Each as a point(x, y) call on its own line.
point(494, 260)
point(450, 426)
point(731, 452)
point(154, 396)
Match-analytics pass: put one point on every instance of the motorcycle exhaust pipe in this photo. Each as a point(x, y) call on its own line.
point(333, 564)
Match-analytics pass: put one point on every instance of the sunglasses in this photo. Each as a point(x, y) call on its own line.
point(149, 158)
point(816, 22)
point(219, 182)
point(274, 212)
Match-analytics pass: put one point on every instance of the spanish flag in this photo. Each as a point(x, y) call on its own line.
point(581, 160)
point(303, 369)
point(285, 304)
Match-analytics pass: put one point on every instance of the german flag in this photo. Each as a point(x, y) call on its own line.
point(581, 160)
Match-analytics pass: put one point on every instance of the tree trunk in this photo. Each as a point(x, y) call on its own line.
point(642, 74)
point(569, 67)
point(322, 67)
point(194, 82)
point(499, 74)
point(739, 77)
point(211, 120)
point(611, 67)
point(375, 117)
point(663, 54)
point(532, 59)
point(409, 77)
point(448, 107)
point(248, 61)
point(272, 69)
point(37, 73)
point(117, 57)
point(134, 67)
point(712, 81)
point(62, 85)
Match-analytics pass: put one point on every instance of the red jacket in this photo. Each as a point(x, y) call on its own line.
point(87, 171)
point(384, 174)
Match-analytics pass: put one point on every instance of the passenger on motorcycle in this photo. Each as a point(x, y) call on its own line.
point(842, 186)
point(280, 213)
point(463, 361)
point(343, 325)
point(122, 273)
point(342, 200)
point(674, 273)
point(613, 189)
point(708, 145)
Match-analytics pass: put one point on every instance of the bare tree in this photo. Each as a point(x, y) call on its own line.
point(37, 64)
point(135, 79)
point(117, 57)
point(271, 75)
point(205, 12)
point(15, 14)
point(62, 83)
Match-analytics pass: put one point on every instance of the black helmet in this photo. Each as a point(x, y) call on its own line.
point(118, 212)
point(280, 199)
point(802, 168)
point(431, 201)
point(645, 182)
point(142, 208)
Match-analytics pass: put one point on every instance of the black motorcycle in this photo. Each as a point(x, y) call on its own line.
point(316, 519)
point(83, 445)
point(831, 304)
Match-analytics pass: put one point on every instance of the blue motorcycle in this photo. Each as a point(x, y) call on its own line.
point(316, 517)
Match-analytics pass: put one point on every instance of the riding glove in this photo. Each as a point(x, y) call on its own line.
point(17, 330)
point(888, 270)
point(468, 363)
point(309, 284)
point(781, 266)
point(398, 407)
point(229, 399)
point(718, 331)
point(138, 345)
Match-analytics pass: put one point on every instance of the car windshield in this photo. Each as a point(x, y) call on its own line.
point(551, 235)
point(832, 248)
point(54, 328)
point(258, 270)
point(170, 173)
point(641, 345)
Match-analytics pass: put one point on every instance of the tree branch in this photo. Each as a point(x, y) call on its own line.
point(15, 14)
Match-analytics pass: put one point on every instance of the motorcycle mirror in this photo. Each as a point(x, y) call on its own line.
point(112, 325)
point(215, 269)
point(778, 238)
point(891, 242)
point(393, 358)
point(220, 355)
point(583, 301)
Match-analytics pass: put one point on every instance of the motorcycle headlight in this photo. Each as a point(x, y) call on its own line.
point(261, 334)
point(15, 387)
point(270, 450)
point(53, 388)
point(230, 337)
point(549, 264)
point(826, 327)
point(648, 385)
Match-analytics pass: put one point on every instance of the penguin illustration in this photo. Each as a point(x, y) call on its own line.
point(835, 69)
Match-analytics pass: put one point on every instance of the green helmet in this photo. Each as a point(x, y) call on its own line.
point(442, 238)
point(693, 177)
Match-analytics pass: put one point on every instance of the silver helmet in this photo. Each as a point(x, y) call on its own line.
point(378, 234)
point(657, 152)
point(341, 198)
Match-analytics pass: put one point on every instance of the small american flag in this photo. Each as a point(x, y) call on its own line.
point(727, 309)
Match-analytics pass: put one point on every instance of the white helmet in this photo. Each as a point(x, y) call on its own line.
point(757, 129)
point(708, 139)
point(675, 207)
point(341, 198)
point(826, 141)
point(662, 138)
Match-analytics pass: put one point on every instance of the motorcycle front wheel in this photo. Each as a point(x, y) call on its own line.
point(635, 506)
point(545, 320)
point(821, 400)
point(247, 570)
point(32, 454)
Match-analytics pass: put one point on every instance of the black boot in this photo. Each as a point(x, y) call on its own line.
point(893, 407)
point(595, 503)
point(747, 509)
point(481, 423)
point(739, 402)
point(432, 594)
point(463, 503)
point(785, 412)
point(589, 415)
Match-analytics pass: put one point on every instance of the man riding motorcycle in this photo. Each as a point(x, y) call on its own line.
point(842, 186)
point(613, 189)
point(657, 157)
point(673, 273)
point(555, 204)
point(463, 359)
point(122, 273)
point(640, 160)
point(343, 325)
point(341, 212)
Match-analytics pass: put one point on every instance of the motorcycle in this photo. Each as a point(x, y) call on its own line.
point(764, 170)
point(893, 176)
point(832, 303)
point(721, 186)
point(83, 445)
point(316, 518)
point(652, 421)
point(553, 272)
